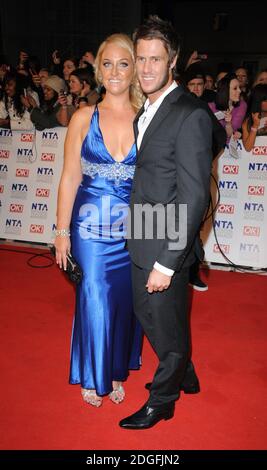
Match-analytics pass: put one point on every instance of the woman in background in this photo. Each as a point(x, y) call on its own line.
point(228, 107)
point(255, 123)
point(14, 105)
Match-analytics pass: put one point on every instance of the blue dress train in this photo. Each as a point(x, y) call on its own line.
point(106, 337)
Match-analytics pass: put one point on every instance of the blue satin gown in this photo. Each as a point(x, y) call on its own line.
point(106, 337)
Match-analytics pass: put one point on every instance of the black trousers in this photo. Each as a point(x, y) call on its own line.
point(194, 271)
point(164, 318)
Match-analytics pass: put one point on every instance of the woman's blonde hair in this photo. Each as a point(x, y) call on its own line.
point(123, 41)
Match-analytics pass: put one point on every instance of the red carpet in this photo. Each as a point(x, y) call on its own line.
point(40, 410)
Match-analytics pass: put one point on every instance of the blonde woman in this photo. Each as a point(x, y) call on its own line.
point(93, 200)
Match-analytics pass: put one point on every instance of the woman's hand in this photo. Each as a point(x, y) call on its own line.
point(28, 101)
point(55, 57)
point(62, 100)
point(23, 57)
point(237, 135)
point(85, 90)
point(62, 245)
point(228, 116)
point(36, 79)
point(256, 120)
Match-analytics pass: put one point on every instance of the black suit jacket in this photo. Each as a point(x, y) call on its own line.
point(173, 167)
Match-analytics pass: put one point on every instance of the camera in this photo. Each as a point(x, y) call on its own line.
point(202, 56)
point(63, 92)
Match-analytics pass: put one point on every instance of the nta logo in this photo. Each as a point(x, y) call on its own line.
point(19, 187)
point(253, 207)
point(227, 184)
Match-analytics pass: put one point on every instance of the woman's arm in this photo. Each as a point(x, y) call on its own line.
point(4, 117)
point(238, 115)
point(70, 180)
point(65, 114)
point(249, 135)
point(65, 111)
point(4, 122)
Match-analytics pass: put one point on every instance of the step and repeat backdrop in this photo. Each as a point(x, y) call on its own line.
point(30, 169)
point(240, 220)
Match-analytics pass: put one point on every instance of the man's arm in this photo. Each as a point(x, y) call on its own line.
point(193, 155)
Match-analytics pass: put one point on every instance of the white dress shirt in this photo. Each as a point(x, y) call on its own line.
point(143, 123)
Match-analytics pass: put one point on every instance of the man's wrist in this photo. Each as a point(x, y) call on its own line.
point(163, 269)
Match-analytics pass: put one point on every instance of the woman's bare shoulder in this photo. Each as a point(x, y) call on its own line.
point(80, 123)
point(84, 114)
point(81, 117)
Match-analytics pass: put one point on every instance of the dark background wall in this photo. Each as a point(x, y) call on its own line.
point(72, 26)
point(232, 32)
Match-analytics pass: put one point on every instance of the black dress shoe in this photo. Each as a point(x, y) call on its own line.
point(188, 388)
point(148, 416)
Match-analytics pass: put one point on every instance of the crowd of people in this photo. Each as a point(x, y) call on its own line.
point(138, 134)
point(32, 96)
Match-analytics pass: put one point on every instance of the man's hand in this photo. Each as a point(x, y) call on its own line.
point(192, 59)
point(23, 57)
point(157, 281)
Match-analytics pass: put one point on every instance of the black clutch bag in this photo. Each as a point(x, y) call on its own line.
point(73, 271)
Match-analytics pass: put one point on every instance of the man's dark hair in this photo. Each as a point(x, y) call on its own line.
point(156, 28)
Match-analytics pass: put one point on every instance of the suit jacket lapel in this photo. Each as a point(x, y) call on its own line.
point(135, 123)
point(161, 113)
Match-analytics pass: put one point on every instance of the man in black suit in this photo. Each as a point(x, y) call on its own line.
point(174, 140)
